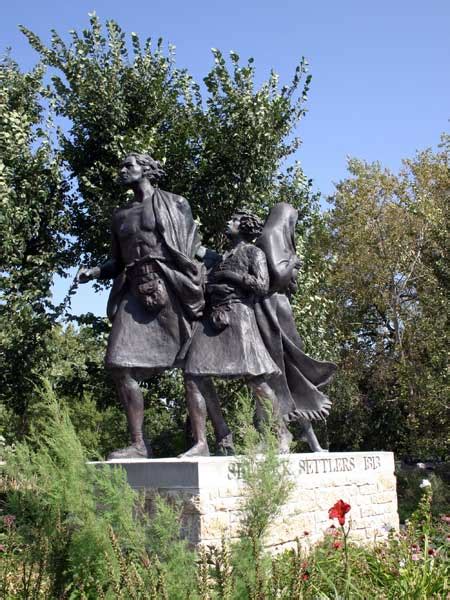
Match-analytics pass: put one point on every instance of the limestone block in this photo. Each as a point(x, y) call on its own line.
point(211, 492)
point(225, 504)
point(231, 489)
point(371, 511)
point(386, 483)
point(322, 521)
point(359, 500)
point(214, 525)
point(303, 500)
point(327, 497)
point(292, 526)
point(384, 497)
point(391, 521)
point(367, 488)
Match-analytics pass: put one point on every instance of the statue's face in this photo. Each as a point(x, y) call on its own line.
point(130, 172)
point(295, 270)
point(232, 228)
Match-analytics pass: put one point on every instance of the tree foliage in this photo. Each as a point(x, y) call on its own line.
point(33, 224)
point(221, 149)
point(372, 292)
point(389, 283)
point(222, 146)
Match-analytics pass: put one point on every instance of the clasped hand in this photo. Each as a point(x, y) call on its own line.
point(246, 282)
point(86, 274)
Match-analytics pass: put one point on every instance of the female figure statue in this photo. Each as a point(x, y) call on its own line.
point(250, 333)
point(227, 342)
point(298, 387)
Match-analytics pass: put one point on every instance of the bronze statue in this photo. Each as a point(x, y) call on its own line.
point(157, 302)
point(299, 386)
point(227, 342)
point(249, 327)
point(157, 294)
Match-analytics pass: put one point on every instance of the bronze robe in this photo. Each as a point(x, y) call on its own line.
point(140, 338)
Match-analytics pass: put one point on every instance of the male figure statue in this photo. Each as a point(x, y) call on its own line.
point(157, 293)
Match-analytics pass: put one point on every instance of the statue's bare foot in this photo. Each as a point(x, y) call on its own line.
point(318, 448)
point(225, 446)
point(310, 437)
point(199, 449)
point(141, 450)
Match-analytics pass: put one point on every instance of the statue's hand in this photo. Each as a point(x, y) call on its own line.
point(222, 288)
point(250, 282)
point(84, 274)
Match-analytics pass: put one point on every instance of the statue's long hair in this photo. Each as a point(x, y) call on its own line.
point(152, 168)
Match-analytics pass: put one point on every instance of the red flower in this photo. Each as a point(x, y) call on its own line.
point(338, 511)
point(337, 545)
point(305, 576)
point(432, 552)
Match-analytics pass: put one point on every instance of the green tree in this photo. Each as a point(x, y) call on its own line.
point(222, 145)
point(220, 151)
point(32, 244)
point(389, 284)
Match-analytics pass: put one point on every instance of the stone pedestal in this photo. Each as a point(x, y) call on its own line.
point(211, 492)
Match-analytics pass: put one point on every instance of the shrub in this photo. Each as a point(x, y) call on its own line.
point(70, 530)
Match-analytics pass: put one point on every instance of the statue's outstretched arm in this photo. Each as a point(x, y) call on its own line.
point(107, 270)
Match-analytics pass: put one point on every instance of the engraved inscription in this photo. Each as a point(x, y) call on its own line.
point(320, 466)
point(235, 470)
point(311, 466)
point(371, 462)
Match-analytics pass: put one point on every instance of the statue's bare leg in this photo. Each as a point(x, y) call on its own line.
point(196, 406)
point(268, 408)
point(224, 437)
point(309, 436)
point(132, 400)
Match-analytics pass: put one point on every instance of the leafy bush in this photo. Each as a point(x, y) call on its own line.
point(70, 530)
point(409, 490)
point(76, 527)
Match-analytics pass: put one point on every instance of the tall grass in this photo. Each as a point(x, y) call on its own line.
point(77, 527)
point(69, 530)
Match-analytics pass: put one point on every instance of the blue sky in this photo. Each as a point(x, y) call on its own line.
point(381, 69)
